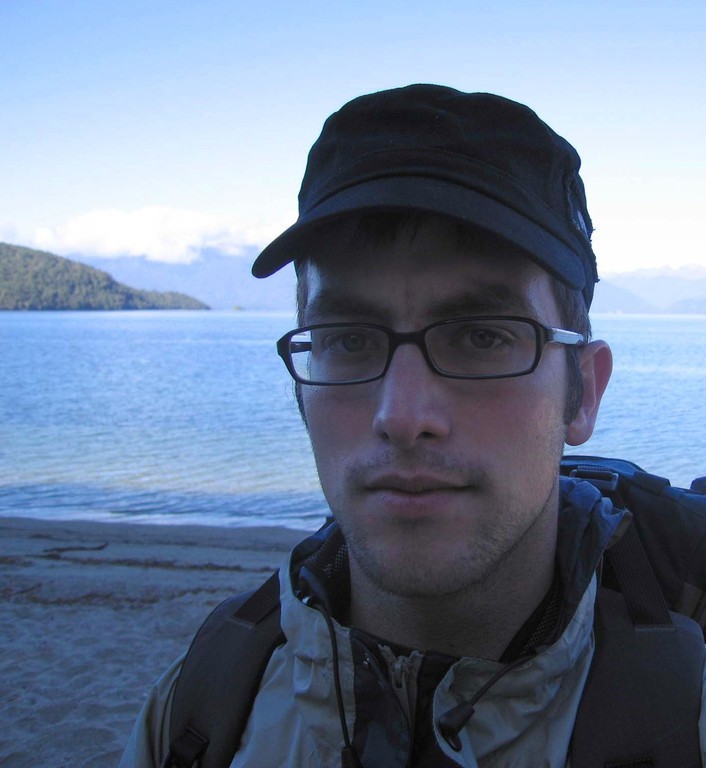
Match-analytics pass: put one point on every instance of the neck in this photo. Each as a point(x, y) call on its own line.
point(479, 621)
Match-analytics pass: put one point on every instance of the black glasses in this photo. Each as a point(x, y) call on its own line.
point(462, 348)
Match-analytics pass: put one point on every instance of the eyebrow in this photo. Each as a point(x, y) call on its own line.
point(487, 299)
point(328, 303)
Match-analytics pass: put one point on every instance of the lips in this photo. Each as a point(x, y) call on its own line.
point(414, 484)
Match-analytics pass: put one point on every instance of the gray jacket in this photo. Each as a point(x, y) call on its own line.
point(524, 720)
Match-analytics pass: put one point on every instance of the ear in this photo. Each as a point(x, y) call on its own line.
point(596, 363)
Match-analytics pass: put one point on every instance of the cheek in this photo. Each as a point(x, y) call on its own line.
point(525, 416)
point(334, 416)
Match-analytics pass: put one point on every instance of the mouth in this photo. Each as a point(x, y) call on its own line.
point(414, 485)
point(416, 498)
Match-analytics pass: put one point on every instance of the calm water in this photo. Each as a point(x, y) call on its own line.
point(190, 417)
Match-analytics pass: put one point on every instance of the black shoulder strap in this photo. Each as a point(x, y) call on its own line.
point(220, 677)
point(641, 703)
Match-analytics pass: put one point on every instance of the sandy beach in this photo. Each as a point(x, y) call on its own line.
point(91, 615)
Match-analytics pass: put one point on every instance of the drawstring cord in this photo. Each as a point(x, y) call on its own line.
point(451, 722)
point(349, 759)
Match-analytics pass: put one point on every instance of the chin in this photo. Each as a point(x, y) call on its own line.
point(420, 571)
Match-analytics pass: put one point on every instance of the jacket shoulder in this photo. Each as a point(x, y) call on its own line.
point(149, 739)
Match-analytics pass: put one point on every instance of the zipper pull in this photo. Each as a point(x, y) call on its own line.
point(402, 674)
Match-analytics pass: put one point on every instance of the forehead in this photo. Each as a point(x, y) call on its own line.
point(421, 270)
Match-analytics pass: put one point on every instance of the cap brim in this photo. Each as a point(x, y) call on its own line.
point(427, 195)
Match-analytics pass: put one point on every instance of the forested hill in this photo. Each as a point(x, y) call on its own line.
point(32, 279)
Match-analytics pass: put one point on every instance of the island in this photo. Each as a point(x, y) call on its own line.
point(36, 280)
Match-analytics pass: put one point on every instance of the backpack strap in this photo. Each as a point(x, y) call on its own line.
point(641, 703)
point(220, 677)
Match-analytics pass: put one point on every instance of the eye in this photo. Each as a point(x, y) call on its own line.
point(483, 338)
point(349, 342)
point(480, 338)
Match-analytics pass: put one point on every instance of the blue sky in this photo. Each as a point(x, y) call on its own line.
point(158, 128)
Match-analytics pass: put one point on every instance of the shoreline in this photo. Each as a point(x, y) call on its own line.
point(93, 612)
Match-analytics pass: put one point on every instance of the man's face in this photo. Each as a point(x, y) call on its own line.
point(435, 481)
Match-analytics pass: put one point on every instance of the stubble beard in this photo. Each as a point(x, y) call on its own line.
point(413, 562)
point(419, 568)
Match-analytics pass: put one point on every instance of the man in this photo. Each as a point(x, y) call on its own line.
point(445, 273)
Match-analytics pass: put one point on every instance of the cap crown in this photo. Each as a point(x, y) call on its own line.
point(482, 159)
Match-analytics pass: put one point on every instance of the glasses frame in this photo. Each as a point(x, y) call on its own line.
point(543, 335)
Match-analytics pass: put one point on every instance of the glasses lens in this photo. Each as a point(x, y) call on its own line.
point(483, 347)
point(338, 353)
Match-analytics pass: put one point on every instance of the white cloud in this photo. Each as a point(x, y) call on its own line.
point(157, 232)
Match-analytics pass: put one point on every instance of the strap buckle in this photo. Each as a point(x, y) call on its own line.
point(605, 479)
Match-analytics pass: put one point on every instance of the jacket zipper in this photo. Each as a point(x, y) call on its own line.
point(403, 672)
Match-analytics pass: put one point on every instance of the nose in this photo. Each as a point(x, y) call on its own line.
point(412, 401)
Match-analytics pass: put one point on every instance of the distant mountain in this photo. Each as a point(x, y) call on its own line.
point(688, 307)
point(612, 298)
point(666, 289)
point(32, 280)
point(220, 280)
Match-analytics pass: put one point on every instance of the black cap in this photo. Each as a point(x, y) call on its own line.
point(477, 158)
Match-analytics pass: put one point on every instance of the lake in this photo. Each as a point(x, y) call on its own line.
point(190, 417)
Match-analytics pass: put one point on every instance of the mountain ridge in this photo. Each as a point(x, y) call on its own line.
point(222, 281)
point(38, 280)
point(667, 289)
